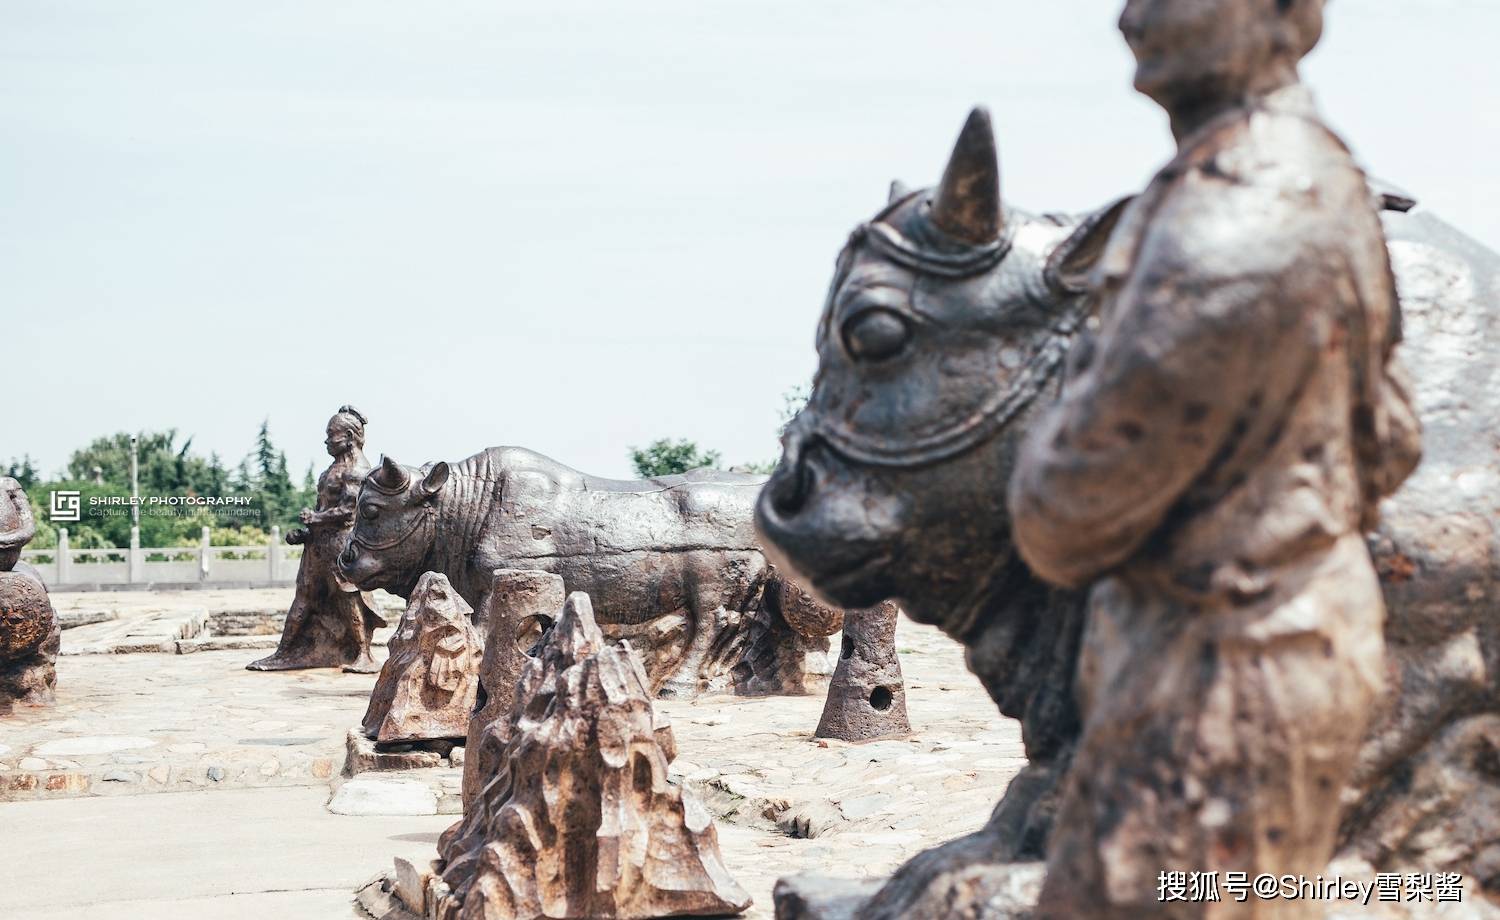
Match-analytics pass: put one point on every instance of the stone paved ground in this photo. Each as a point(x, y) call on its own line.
point(139, 723)
point(170, 622)
point(127, 724)
point(238, 854)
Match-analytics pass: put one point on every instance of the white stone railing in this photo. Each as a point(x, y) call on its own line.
point(270, 563)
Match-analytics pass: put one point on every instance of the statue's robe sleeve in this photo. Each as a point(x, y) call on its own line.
point(1203, 332)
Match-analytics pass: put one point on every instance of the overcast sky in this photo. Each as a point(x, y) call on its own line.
point(573, 226)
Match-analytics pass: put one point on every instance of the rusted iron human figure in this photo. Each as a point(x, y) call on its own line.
point(330, 621)
point(1210, 468)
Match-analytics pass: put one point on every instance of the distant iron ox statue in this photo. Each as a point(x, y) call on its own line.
point(943, 340)
point(330, 621)
point(672, 563)
point(29, 634)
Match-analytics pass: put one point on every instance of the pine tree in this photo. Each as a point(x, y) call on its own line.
point(216, 478)
point(271, 484)
point(23, 471)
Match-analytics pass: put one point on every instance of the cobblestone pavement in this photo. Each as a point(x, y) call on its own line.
point(786, 803)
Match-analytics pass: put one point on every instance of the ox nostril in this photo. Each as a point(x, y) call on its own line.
point(792, 482)
point(790, 487)
point(346, 558)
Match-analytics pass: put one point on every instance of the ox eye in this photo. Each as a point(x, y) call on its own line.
point(370, 512)
point(875, 334)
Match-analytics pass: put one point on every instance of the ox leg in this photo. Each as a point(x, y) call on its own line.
point(779, 661)
point(361, 621)
point(787, 651)
point(707, 623)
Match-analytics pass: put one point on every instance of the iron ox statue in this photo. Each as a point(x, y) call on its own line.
point(671, 563)
point(944, 338)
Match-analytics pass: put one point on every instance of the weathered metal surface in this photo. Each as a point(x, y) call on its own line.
point(29, 633)
point(1208, 472)
point(330, 621)
point(429, 686)
point(871, 503)
point(1427, 791)
point(672, 563)
point(581, 820)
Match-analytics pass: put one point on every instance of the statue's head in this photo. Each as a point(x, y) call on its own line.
point(346, 431)
point(394, 526)
point(942, 328)
point(1189, 52)
point(17, 526)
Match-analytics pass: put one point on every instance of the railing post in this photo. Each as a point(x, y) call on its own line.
point(64, 561)
point(203, 551)
point(273, 554)
point(135, 561)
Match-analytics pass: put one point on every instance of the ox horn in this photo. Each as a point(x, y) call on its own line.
point(391, 476)
point(967, 203)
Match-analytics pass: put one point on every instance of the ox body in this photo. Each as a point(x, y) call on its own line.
point(665, 560)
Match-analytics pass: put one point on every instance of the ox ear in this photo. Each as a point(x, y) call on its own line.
point(898, 191)
point(390, 475)
point(1068, 267)
point(966, 205)
point(432, 482)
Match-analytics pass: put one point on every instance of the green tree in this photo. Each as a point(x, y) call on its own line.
point(263, 476)
point(100, 471)
point(792, 402)
point(165, 468)
point(23, 471)
point(216, 478)
point(665, 456)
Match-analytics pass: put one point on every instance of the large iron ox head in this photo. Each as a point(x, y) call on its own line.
point(395, 527)
point(947, 321)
